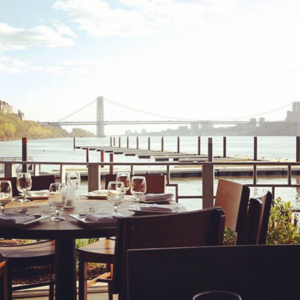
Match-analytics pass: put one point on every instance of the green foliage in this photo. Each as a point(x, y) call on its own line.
point(78, 132)
point(229, 236)
point(12, 128)
point(282, 229)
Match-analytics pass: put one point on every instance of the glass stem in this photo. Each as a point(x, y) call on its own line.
point(115, 209)
point(56, 212)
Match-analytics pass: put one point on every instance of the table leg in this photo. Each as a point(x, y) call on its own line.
point(65, 269)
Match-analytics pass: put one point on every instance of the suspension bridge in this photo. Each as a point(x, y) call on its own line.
point(100, 121)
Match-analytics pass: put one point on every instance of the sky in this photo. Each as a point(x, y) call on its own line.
point(180, 59)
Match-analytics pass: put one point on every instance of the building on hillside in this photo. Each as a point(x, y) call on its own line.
point(6, 108)
point(20, 115)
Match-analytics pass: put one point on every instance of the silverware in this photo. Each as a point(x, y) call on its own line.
point(23, 211)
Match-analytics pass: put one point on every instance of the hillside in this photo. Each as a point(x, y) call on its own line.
point(12, 128)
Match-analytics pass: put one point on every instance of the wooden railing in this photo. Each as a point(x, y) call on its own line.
point(208, 171)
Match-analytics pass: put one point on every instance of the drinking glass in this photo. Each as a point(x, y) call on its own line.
point(24, 184)
point(138, 187)
point(57, 199)
point(115, 193)
point(217, 295)
point(125, 178)
point(5, 193)
point(73, 179)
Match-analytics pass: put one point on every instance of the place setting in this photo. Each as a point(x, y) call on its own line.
point(115, 195)
point(8, 219)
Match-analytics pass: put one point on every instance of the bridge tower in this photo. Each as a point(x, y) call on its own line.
point(100, 117)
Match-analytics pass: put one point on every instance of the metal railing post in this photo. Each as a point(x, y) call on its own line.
point(9, 170)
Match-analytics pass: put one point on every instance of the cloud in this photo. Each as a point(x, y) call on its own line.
point(12, 38)
point(138, 17)
point(11, 66)
point(76, 68)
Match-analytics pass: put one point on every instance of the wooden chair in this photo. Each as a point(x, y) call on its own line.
point(41, 182)
point(258, 219)
point(233, 197)
point(3, 278)
point(156, 183)
point(29, 255)
point(252, 271)
point(103, 250)
point(193, 228)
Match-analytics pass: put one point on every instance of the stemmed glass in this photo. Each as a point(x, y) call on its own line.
point(57, 199)
point(138, 187)
point(5, 193)
point(24, 184)
point(125, 178)
point(115, 193)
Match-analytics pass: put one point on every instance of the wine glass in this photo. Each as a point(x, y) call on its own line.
point(57, 199)
point(138, 187)
point(5, 193)
point(115, 194)
point(24, 184)
point(125, 178)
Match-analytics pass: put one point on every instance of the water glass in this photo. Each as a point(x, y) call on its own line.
point(24, 184)
point(115, 193)
point(125, 178)
point(217, 295)
point(57, 199)
point(138, 187)
point(5, 193)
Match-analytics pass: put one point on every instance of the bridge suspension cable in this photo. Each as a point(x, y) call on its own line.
point(141, 111)
point(76, 111)
point(264, 113)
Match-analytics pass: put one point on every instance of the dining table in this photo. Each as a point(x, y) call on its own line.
point(64, 233)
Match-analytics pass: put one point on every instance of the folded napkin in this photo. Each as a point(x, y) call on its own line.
point(101, 217)
point(41, 193)
point(156, 197)
point(11, 218)
point(159, 208)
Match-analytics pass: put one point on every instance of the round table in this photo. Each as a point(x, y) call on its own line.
point(64, 233)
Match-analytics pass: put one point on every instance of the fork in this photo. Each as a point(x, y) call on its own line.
point(23, 211)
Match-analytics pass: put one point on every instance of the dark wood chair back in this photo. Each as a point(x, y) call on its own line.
point(251, 271)
point(156, 183)
point(41, 182)
point(193, 228)
point(258, 219)
point(233, 197)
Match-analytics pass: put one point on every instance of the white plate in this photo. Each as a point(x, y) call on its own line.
point(137, 209)
point(81, 218)
point(100, 194)
point(37, 195)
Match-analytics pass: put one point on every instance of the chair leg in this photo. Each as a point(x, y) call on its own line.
point(82, 274)
point(51, 286)
point(3, 284)
point(110, 294)
point(9, 282)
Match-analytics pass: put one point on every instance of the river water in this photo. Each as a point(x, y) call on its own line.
point(62, 150)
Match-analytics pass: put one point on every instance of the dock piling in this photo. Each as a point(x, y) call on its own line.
point(24, 153)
